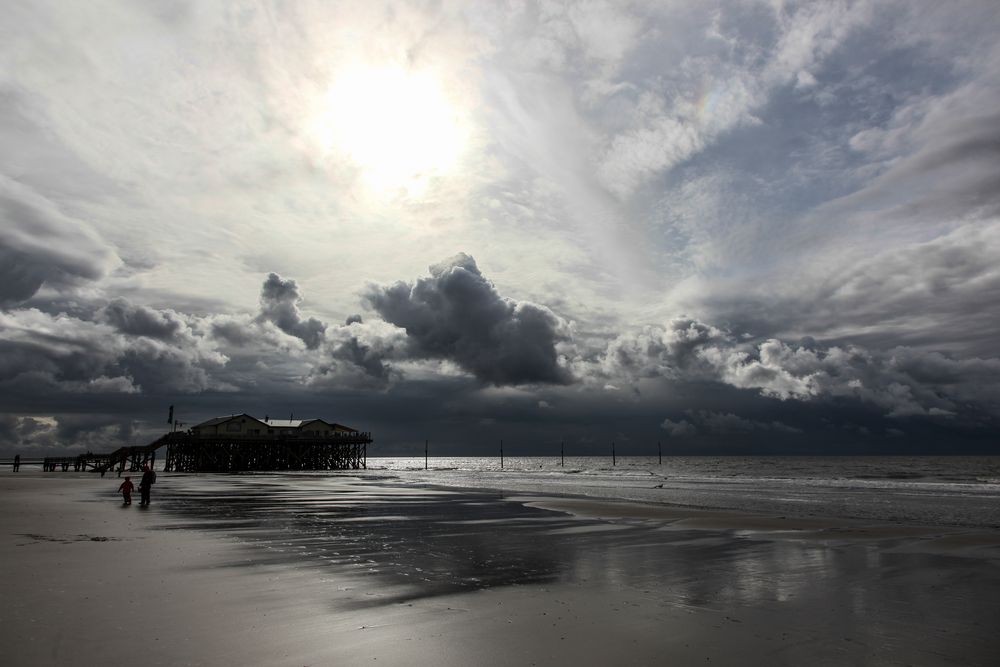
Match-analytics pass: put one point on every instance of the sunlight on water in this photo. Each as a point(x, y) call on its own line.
point(926, 490)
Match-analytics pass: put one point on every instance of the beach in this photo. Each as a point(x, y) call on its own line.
point(377, 569)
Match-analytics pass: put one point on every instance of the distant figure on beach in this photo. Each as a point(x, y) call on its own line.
point(126, 488)
point(148, 479)
point(17, 462)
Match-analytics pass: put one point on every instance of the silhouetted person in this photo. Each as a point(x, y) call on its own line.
point(17, 462)
point(126, 488)
point(148, 479)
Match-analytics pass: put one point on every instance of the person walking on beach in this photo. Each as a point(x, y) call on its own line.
point(126, 488)
point(148, 479)
point(17, 462)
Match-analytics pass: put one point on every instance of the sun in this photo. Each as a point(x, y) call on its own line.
point(398, 127)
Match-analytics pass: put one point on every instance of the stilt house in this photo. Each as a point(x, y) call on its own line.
point(243, 443)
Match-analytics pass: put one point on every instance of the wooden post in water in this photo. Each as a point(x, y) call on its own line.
point(425, 455)
point(614, 462)
point(659, 451)
point(501, 455)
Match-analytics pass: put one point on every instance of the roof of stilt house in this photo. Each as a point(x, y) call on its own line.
point(271, 423)
point(219, 420)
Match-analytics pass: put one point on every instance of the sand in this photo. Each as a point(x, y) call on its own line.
point(347, 571)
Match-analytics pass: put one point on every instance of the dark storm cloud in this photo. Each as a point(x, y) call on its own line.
point(355, 354)
point(27, 434)
point(360, 354)
point(279, 301)
point(95, 432)
point(364, 357)
point(156, 367)
point(60, 353)
point(680, 428)
point(60, 348)
point(721, 423)
point(233, 332)
point(140, 320)
point(159, 350)
point(457, 314)
point(41, 246)
point(68, 433)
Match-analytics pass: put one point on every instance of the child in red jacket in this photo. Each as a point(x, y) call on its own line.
point(126, 488)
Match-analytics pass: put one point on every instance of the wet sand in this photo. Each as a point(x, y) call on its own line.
point(290, 570)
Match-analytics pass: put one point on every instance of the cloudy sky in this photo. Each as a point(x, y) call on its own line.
point(747, 227)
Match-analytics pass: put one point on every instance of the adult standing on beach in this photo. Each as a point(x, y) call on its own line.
point(148, 478)
point(17, 462)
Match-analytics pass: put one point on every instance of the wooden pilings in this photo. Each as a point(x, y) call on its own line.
point(199, 454)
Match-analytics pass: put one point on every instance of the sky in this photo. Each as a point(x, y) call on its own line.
point(758, 227)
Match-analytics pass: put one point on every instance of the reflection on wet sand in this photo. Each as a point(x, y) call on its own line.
point(431, 542)
point(413, 543)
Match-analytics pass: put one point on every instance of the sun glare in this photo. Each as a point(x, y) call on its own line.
point(396, 126)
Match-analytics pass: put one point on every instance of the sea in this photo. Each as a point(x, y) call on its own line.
point(919, 490)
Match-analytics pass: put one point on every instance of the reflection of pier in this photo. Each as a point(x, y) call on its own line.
point(219, 453)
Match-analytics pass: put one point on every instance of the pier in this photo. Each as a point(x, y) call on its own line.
point(238, 443)
point(131, 458)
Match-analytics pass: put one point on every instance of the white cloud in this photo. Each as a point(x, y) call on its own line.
point(902, 382)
